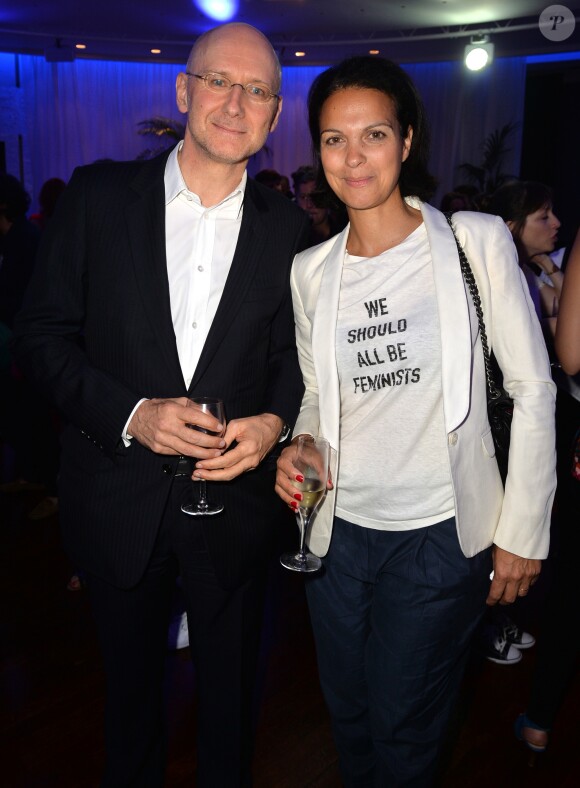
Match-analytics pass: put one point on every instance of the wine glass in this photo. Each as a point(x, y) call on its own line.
point(312, 460)
point(202, 506)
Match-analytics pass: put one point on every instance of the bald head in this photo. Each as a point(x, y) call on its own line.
point(232, 35)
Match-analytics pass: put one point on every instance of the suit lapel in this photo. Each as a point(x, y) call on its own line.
point(145, 217)
point(248, 253)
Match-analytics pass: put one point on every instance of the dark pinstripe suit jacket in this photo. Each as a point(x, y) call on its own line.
point(96, 335)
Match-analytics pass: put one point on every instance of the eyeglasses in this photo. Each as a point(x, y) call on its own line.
point(219, 84)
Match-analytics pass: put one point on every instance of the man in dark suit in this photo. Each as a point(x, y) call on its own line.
point(159, 281)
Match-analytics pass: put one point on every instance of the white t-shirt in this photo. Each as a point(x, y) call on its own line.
point(394, 467)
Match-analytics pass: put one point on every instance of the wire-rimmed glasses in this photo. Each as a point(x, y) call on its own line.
point(217, 83)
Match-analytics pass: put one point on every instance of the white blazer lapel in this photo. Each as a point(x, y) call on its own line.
point(324, 340)
point(455, 327)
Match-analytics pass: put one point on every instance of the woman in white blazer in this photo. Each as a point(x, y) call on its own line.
point(394, 378)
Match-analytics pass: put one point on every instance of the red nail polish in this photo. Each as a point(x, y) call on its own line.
point(298, 496)
point(293, 505)
point(299, 477)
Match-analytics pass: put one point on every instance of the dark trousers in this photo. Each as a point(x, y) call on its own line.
point(224, 633)
point(393, 614)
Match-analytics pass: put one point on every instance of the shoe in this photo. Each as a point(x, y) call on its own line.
point(21, 485)
point(514, 635)
point(534, 737)
point(178, 635)
point(499, 650)
point(46, 508)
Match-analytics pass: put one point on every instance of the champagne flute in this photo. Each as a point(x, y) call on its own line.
point(202, 506)
point(312, 460)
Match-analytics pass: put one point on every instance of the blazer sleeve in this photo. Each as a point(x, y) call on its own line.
point(517, 341)
point(48, 335)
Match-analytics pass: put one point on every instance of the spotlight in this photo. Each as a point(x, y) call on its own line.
point(479, 53)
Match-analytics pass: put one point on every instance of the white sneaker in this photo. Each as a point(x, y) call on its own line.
point(178, 634)
point(515, 635)
point(502, 652)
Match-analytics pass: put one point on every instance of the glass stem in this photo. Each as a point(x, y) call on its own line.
point(202, 501)
point(303, 525)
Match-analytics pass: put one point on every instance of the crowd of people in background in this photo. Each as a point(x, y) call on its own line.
point(552, 275)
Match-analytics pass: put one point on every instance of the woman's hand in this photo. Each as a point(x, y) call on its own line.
point(543, 262)
point(288, 474)
point(512, 576)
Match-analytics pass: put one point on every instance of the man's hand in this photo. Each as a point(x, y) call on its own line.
point(255, 436)
point(512, 576)
point(162, 426)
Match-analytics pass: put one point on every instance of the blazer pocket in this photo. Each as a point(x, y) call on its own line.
point(488, 444)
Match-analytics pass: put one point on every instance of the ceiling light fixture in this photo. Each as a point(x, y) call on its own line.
point(299, 54)
point(479, 53)
point(373, 51)
point(80, 46)
point(155, 51)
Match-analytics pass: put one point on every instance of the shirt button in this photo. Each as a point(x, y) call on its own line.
point(453, 439)
point(189, 197)
point(194, 324)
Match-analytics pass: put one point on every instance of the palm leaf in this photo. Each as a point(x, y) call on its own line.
point(488, 176)
point(162, 127)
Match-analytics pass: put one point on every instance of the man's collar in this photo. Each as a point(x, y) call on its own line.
point(175, 183)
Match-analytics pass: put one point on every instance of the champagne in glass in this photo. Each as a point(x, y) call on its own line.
point(202, 506)
point(312, 460)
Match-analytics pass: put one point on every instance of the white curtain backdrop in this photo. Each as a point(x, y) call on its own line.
point(74, 113)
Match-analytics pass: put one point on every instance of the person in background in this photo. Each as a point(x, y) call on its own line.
point(18, 245)
point(392, 361)
point(527, 209)
point(175, 272)
point(557, 658)
point(323, 223)
point(285, 187)
point(269, 178)
point(455, 201)
point(26, 423)
point(567, 339)
point(50, 191)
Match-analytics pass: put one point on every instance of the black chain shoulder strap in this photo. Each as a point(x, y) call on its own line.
point(493, 389)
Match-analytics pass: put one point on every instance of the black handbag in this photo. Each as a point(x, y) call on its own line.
point(500, 406)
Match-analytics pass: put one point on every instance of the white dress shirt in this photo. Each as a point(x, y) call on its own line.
point(200, 242)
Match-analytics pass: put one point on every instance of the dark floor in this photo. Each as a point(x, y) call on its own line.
point(52, 688)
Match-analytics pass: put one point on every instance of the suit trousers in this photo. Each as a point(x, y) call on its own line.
point(393, 614)
point(224, 634)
